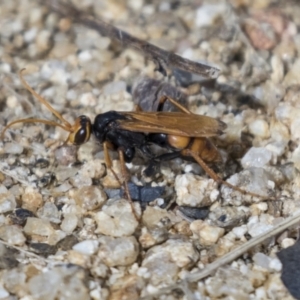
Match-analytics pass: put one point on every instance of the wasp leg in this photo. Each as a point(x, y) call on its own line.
point(124, 173)
point(197, 158)
point(215, 177)
point(163, 99)
point(108, 162)
point(125, 182)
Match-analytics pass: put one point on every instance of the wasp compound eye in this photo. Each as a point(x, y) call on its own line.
point(81, 131)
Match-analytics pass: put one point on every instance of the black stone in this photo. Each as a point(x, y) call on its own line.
point(67, 243)
point(20, 216)
point(290, 275)
point(138, 193)
point(43, 249)
point(197, 213)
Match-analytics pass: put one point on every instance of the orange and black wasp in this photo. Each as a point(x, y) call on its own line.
point(182, 133)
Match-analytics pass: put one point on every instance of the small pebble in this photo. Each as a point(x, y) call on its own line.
point(129, 285)
point(116, 219)
point(31, 199)
point(88, 247)
point(154, 216)
point(195, 191)
point(207, 13)
point(43, 40)
point(65, 155)
point(90, 197)
point(287, 242)
point(275, 265)
point(258, 228)
point(229, 282)
point(12, 234)
point(114, 88)
point(3, 293)
point(48, 284)
point(35, 226)
point(7, 201)
point(149, 238)
point(256, 157)
point(207, 234)
point(120, 251)
point(30, 35)
point(261, 260)
point(80, 180)
point(49, 212)
point(292, 76)
point(63, 173)
point(69, 223)
point(78, 258)
point(259, 128)
point(162, 261)
point(240, 231)
point(93, 168)
point(181, 251)
point(62, 189)
point(11, 102)
point(88, 99)
point(13, 148)
point(253, 180)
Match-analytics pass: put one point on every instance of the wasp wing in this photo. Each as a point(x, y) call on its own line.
point(175, 123)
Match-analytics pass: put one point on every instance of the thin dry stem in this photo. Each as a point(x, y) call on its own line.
point(163, 58)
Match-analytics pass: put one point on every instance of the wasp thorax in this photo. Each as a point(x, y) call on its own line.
point(81, 131)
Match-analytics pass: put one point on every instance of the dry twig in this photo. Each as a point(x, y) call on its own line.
point(163, 58)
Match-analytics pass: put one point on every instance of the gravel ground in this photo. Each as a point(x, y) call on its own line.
point(66, 233)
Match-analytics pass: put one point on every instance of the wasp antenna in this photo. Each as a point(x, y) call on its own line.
point(43, 101)
point(52, 123)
